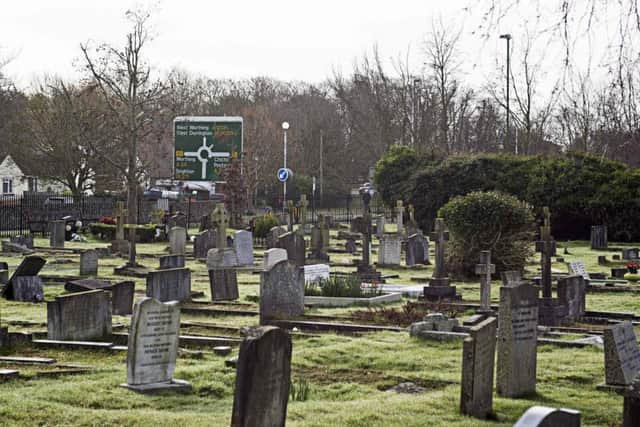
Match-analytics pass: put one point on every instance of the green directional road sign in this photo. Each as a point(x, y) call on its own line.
point(204, 146)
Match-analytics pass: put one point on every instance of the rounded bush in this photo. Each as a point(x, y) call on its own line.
point(263, 224)
point(491, 221)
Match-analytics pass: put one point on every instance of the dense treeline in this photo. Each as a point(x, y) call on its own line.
point(580, 190)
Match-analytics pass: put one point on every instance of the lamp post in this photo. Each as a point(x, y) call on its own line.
point(507, 37)
point(285, 127)
point(414, 108)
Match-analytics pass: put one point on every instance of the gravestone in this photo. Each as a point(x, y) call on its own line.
point(366, 271)
point(511, 277)
point(599, 237)
point(178, 219)
point(548, 309)
point(119, 245)
point(572, 295)
point(485, 269)
point(439, 282)
point(357, 225)
point(243, 245)
point(84, 316)
point(631, 406)
point(541, 416)
point(274, 234)
point(10, 247)
point(318, 246)
point(350, 245)
point(26, 241)
point(619, 272)
point(220, 221)
point(223, 283)
point(380, 223)
point(294, 244)
point(399, 217)
point(263, 378)
point(152, 347)
point(389, 250)
point(177, 240)
point(517, 340)
point(621, 354)
point(89, 263)
point(219, 258)
point(630, 253)
point(273, 256)
point(121, 292)
point(171, 261)
point(412, 225)
point(56, 239)
point(24, 284)
point(4, 273)
point(203, 242)
point(281, 292)
point(417, 249)
point(316, 272)
point(478, 352)
point(577, 268)
point(169, 285)
point(303, 204)
point(205, 223)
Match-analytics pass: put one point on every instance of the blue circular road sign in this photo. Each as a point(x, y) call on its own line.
point(284, 174)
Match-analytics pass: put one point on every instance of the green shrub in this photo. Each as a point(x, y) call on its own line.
point(487, 221)
point(263, 224)
point(299, 389)
point(145, 233)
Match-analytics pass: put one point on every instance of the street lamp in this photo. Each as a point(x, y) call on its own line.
point(416, 93)
point(285, 126)
point(507, 37)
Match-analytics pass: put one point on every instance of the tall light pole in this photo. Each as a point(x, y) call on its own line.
point(507, 37)
point(285, 126)
point(415, 93)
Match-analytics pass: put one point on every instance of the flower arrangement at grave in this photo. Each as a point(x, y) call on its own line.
point(108, 220)
point(632, 275)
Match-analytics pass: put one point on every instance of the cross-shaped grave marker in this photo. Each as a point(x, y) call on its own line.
point(120, 214)
point(220, 220)
point(440, 237)
point(304, 203)
point(291, 208)
point(547, 248)
point(400, 214)
point(485, 269)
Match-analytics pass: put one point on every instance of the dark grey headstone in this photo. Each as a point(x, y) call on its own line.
point(26, 241)
point(599, 237)
point(541, 416)
point(10, 247)
point(517, 340)
point(571, 294)
point(56, 239)
point(294, 244)
point(357, 225)
point(203, 242)
point(223, 284)
point(272, 237)
point(621, 354)
point(478, 353)
point(4, 273)
point(84, 316)
point(30, 266)
point(618, 273)
point(263, 378)
point(631, 406)
point(27, 289)
point(171, 261)
point(89, 263)
point(281, 292)
point(417, 249)
point(121, 293)
point(169, 285)
point(350, 245)
point(630, 253)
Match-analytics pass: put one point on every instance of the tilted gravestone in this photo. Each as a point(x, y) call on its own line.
point(572, 295)
point(578, 268)
point(621, 354)
point(56, 239)
point(281, 292)
point(273, 256)
point(263, 378)
point(171, 261)
point(84, 316)
point(243, 245)
point(599, 237)
point(169, 285)
point(542, 416)
point(517, 340)
point(24, 284)
point(203, 242)
point(89, 263)
point(389, 250)
point(153, 347)
point(121, 292)
point(177, 240)
point(478, 353)
point(294, 244)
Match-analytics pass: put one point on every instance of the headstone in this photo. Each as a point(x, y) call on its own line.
point(357, 225)
point(169, 285)
point(618, 273)
point(177, 240)
point(203, 242)
point(511, 277)
point(84, 316)
point(572, 295)
point(4, 273)
point(485, 269)
point(243, 244)
point(350, 246)
point(274, 234)
point(56, 239)
point(577, 268)
point(316, 272)
point(221, 258)
point(120, 246)
point(389, 250)
point(178, 219)
point(318, 247)
point(26, 241)
point(294, 244)
point(439, 282)
point(281, 292)
point(89, 263)
point(366, 271)
point(630, 253)
point(263, 378)
point(541, 416)
point(417, 249)
point(303, 204)
point(120, 220)
point(205, 223)
point(599, 237)
point(273, 256)
point(517, 340)
point(223, 283)
point(380, 223)
point(478, 353)
point(30, 288)
point(399, 217)
point(153, 347)
point(548, 309)
point(621, 354)
point(412, 225)
point(220, 220)
point(121, 292)
point(171, 261)
point(631, 406)
point(10, 247)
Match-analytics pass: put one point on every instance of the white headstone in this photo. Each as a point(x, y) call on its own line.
point(316, 272)
point(273, 256)
point(243, 244)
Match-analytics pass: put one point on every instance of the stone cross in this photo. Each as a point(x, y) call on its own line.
point(399, 213)
point(120, 213)
point(366, 236)
point(547, 248)
point(411, 210)
point(291, 210)
point(440, 237)
point(485, 269)
point(220, 220)
point(304, 203)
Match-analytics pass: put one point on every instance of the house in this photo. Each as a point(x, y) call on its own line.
point(16, 179)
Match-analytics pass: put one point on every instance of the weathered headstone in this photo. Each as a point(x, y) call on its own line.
point(303, 205)
point(273, 256)
point(366, 271)
point(599, 237)
point(511, 277)
point(631, 406)
point(177, 240)
point(263, 378)
point(485, 269)
point(4, 273)
point(318, 246)
point(572, 295)
point(357, 225)
point(517, 340)
point(621, 354)
point(223, 283)
point(630, 253)
point(26, 241)
point(24, 284)
point(417, 250)
point(546, 246)
point(221, 258)
point(389, 250)
point(205, 223)
point(89, 263)
point(439, 282)
point(399, 217)
point(281, 292)
point(203, 242)
point(294, 244)
point(274, 234)
point(153, 347)
point(316, 272)
point(56, 239)
point(243, 245)
point(478, 353)
point(121, 292)
point(171, 261)
point(541, 416)
point(169, 285)
point(578, 268)
point(380, 223)
point(84, 316)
